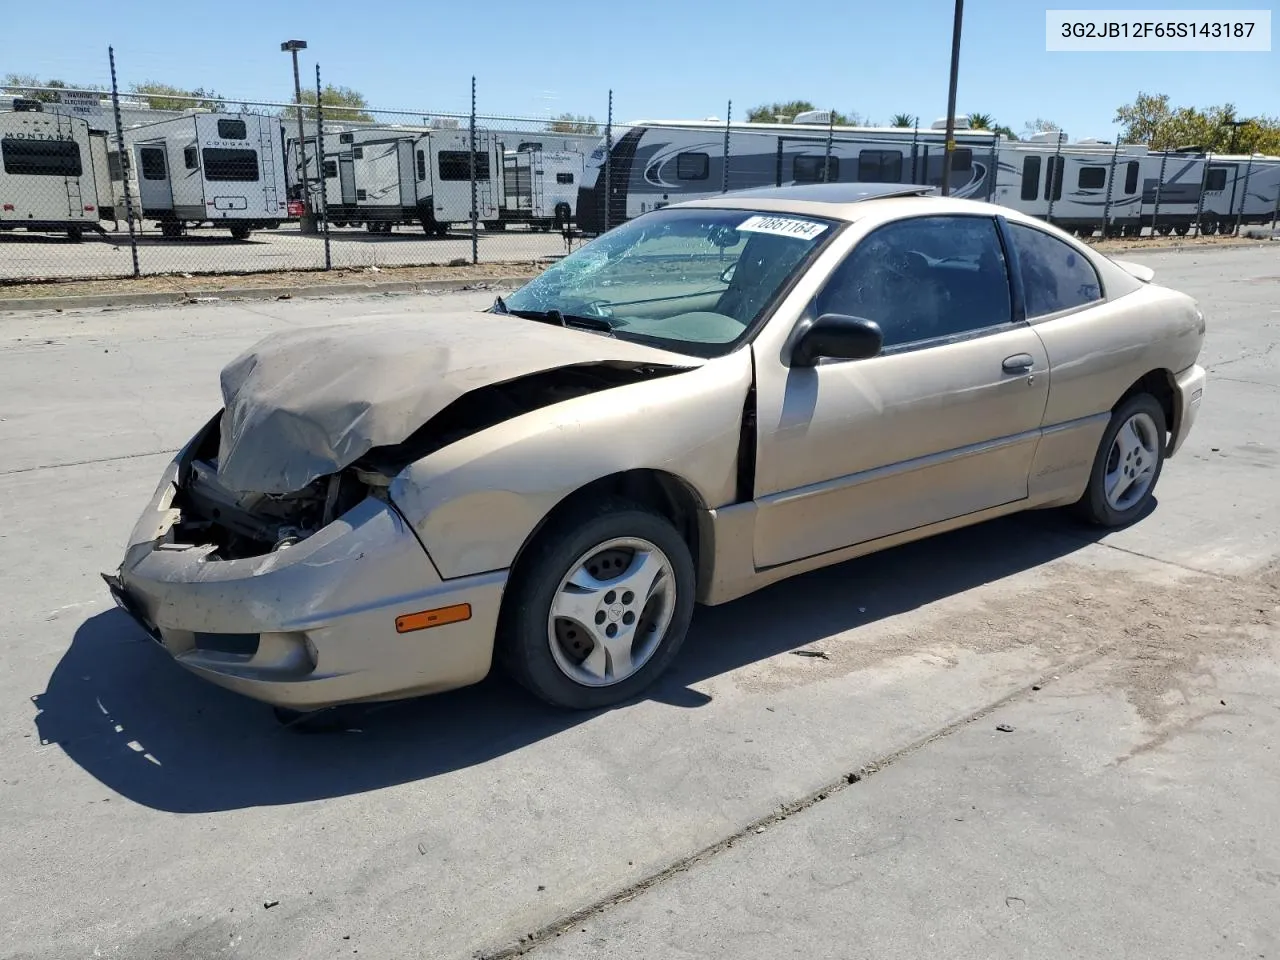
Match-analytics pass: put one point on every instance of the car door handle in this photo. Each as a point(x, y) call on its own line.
point(1018, 363)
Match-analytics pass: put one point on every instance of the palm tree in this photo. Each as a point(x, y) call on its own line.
point(981, 121)
point(902, 120)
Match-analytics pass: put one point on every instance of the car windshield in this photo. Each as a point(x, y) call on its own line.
point(689, 280)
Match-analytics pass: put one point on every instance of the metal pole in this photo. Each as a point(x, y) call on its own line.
point(1204, 182)
point(324, 200)
point(1054, 183)
point(724, 178)
point(1248, 171)
point(777, 165)
point(1155, 213)
point(915, 149)
point(125, 162)
point(307, 223)
point(826, 162)
point(475, 212)
point(1111, 183)
point(951, 99)
point(608, 163)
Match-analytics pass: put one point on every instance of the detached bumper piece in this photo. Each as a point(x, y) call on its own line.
point(315, 624)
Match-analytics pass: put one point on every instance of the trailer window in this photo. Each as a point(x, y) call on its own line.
point(330, 169)
point(232, 130)
point(1030, 178)
point(190, 158)
point(153, 165)
point(880, 166)
point(42, 158)
point(422, 165)
point(564, 178)
point(1217, 179)
point(692, 166)
point(346, 138)
point(532, 145)
point(1091, 178)
point(961, 160)
point(456, 165)
point(1131, 177)
point(114, 170)
point(1053, 179)
point(221, 163)
point(815, 169)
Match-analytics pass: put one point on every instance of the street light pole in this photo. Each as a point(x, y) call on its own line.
point(951, 100)
point(307, 222)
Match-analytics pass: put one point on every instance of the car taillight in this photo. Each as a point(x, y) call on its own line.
point(8, 206)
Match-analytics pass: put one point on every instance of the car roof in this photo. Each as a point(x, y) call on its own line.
point(840, 201)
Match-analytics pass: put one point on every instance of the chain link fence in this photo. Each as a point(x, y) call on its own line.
point(96, 183)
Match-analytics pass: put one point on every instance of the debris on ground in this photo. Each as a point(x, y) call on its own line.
point(1004, 728)
point(270, 903)
point(811, 653)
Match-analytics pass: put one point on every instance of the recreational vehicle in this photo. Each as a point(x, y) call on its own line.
point(381, 177)
point(223, 169)
point(539, 188)
point(653, 164)
point(47, 177)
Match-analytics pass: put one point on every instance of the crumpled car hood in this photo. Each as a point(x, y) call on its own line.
point(304, 404)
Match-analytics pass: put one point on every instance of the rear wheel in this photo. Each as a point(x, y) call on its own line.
point(1164, 229)
point(1127, 465)
point(1182, 229)
point(600, 606)
point(75, 234)
point(240, 231)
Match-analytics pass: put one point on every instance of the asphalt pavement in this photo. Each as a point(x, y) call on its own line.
point(864, 802)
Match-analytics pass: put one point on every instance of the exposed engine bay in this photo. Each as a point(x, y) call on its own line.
point(247, 524)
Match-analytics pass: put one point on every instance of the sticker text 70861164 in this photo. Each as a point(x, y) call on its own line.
point(782, 227)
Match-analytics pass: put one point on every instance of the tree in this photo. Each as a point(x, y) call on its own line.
point(786, 113)
point(571, 123)
point(981, 121)
point(340, 103)
point(1039, 126)
point(1151, 120)
point(903, 120)
point(164, 96)
point(1006, 132)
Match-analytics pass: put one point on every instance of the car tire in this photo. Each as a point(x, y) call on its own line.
point(606, 548)
point(1133, 446)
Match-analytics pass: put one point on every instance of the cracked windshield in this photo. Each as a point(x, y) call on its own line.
point(693, 280)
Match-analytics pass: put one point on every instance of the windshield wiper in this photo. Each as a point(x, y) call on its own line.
point(565, 319)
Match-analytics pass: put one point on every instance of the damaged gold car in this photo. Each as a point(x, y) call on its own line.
point(705, 400)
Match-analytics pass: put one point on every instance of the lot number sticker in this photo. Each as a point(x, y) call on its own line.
point(783, 227)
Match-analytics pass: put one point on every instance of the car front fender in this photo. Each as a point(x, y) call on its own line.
point(474, 503)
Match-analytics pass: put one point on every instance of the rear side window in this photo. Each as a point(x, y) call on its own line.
point(1054, 276)
point(924, 278)
point(692, 166)
point(232, 130)
point(42, 158)
point(221, 163)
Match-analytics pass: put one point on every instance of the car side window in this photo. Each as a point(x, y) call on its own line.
point(1054, 276)
point(924, 278)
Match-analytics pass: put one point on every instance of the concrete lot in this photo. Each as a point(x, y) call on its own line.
point(1129, 812)
point(206, 249)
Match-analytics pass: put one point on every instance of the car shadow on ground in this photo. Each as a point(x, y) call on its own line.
point(144, 727)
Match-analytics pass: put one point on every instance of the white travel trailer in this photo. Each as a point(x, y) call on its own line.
point(539, 188)
point(223, 169)
point(1207, 192)
point(48, 174)
point(382, 177)
point(655, 163)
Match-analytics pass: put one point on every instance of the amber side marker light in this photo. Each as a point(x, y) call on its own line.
point(433, 618)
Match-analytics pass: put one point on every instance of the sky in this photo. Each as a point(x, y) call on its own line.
point(663, 59)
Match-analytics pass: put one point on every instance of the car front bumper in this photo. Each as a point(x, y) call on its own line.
point(314, 624)
point(1190, 393)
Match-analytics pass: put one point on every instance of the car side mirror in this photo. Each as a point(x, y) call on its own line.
point(838, 337)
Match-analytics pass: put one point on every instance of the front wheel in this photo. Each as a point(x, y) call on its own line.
point(1128, 464)
point(599, 608)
